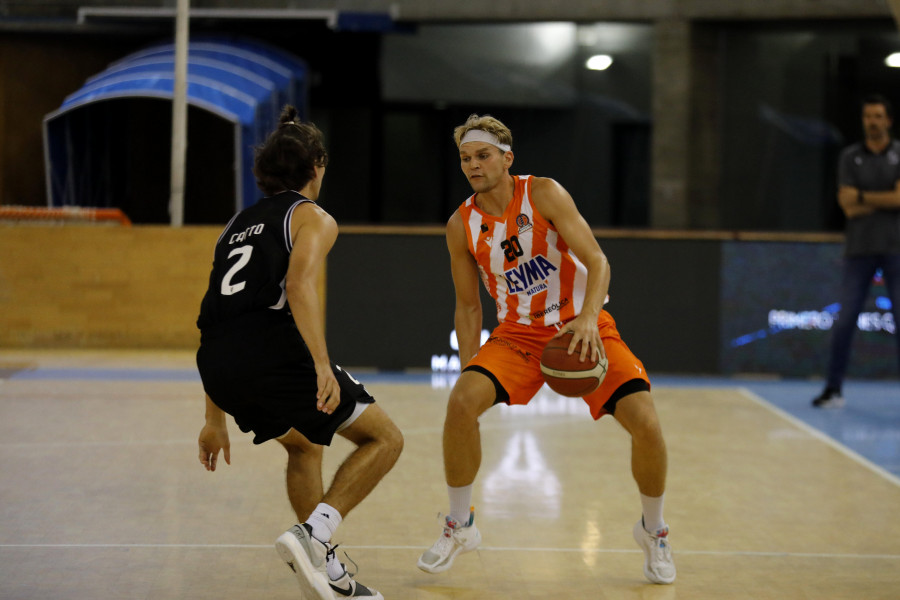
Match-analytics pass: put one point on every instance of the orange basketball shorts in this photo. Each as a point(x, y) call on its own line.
point(512, 354)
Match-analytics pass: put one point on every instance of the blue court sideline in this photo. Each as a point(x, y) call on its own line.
point(869, 424)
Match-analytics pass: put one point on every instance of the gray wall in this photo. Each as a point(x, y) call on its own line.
point(390, 301)
point(711, 306)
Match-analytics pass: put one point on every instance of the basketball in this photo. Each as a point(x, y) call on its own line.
point(565, 373)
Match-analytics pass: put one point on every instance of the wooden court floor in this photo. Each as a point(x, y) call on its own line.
point(102, 497)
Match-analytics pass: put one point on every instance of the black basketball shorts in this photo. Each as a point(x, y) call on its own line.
point(262, 374)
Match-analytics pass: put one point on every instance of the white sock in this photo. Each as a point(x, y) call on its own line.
point(324, 520)
point(653, 513)
point(460, 503)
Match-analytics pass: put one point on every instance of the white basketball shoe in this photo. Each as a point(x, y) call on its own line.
point(659, 566)
point(455, 539)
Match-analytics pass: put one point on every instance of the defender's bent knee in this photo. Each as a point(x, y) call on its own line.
point(374, 426)
point(392, 439)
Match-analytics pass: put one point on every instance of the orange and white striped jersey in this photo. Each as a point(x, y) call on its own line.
point(524, 263)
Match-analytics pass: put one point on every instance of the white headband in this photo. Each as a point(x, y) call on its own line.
point(480, 135)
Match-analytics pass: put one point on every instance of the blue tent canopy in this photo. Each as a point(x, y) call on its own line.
point(242, 81)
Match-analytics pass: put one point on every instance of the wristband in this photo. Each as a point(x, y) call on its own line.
point(859, 197)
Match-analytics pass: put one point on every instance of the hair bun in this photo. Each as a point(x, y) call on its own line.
point(288, 115)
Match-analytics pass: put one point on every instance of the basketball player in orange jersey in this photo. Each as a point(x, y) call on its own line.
point(525, 240)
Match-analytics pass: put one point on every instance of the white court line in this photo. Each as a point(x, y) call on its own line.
point(238, 437)
point(118, 443)
point(480, 549)
point(858, 458)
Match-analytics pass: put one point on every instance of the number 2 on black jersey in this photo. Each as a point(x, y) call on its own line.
point(229, 289)
point(244, 253)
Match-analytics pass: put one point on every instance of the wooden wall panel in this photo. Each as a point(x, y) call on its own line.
point(100, 286)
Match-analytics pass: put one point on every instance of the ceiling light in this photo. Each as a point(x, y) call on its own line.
point(599, 62)
point(893, 60)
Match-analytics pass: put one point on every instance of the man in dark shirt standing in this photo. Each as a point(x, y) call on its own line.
point(869, 195)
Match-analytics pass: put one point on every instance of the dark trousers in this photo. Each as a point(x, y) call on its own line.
point(857, 278)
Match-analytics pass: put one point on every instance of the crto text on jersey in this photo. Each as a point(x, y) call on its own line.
point(529, 277)
point(240, 236)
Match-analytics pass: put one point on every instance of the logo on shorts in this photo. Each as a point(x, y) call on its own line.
point(499, 341)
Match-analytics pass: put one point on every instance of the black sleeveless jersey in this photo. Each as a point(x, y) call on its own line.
point(250, 263)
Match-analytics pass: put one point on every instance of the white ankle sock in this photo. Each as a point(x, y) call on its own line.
point(653, 513)
point(460, 503)
point(324, 520)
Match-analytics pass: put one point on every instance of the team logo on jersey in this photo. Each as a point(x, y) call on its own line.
point(523, 222)
point(529, 277)
point(484, 228)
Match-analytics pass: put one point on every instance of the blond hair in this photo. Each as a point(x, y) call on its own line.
point(484, 123)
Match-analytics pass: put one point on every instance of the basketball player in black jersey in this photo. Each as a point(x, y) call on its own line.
point(263, 357)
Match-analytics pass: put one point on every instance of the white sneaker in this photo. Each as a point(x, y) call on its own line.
point(347, 587)
point(305, 555)
point(455, 539)
point(659, 566)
